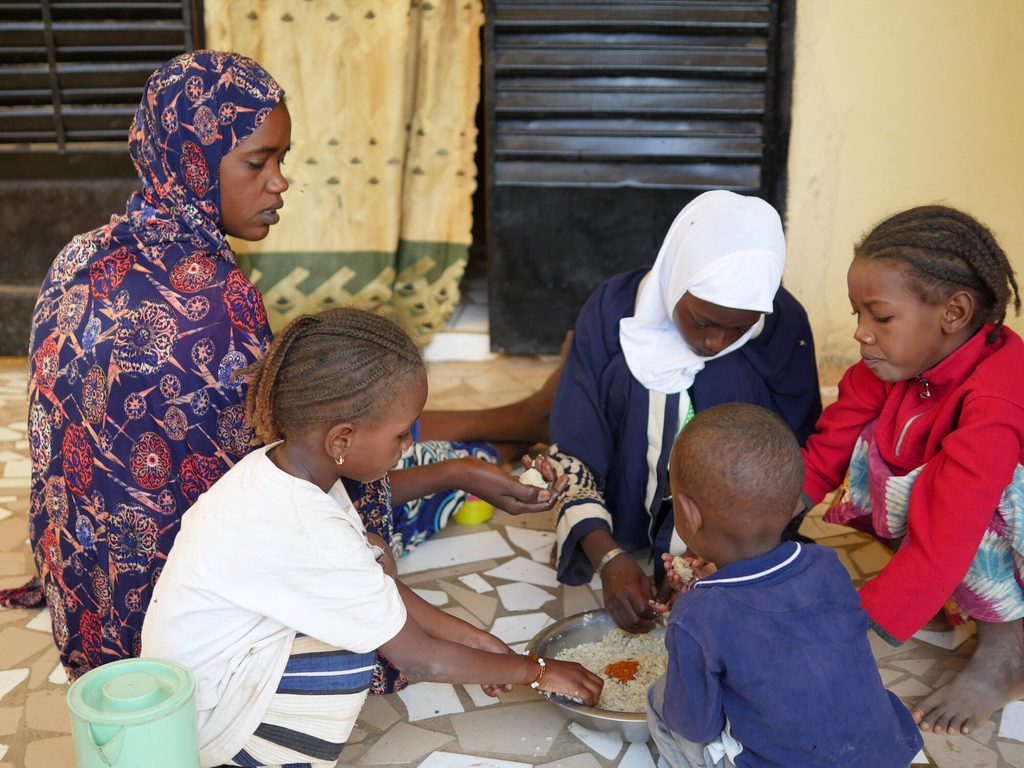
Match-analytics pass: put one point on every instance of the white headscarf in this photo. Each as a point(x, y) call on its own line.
point(724, 248)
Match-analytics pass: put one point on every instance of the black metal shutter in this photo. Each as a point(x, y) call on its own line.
point(72, 71)
point(603, 120)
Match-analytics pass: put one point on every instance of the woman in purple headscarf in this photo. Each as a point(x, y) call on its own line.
point(134, 410)
point(139, 326)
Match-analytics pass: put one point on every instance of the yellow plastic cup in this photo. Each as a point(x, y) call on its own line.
point(474, 511)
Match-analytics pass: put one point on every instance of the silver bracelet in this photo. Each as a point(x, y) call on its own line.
point(610, 555)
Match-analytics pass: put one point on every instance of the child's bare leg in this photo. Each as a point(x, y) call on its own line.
point(993, 677)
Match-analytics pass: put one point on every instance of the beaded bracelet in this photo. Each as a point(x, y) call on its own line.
point(540, 673)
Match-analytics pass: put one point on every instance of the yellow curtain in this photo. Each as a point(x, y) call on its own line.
point(383, 97)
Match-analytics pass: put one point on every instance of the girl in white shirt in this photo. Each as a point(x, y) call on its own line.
point(272, 593)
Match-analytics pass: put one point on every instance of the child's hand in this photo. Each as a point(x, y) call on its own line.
point(548, 470)
point(387, 559)
point(674, 584)
point(572, 679)
point(505, 491)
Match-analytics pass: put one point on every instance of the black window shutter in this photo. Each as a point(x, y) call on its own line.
point(603, 120)
point(72, 72)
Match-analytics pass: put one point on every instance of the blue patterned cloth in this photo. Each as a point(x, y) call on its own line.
point(137, 331)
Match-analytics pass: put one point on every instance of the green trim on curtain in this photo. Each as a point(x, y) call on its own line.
point(418, 286)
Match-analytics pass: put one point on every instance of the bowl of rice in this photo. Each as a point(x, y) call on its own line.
point(628, 663)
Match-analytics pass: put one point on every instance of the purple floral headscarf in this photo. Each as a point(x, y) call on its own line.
point(139, 327)
point(194, 111)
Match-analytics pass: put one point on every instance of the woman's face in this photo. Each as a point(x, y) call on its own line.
point(251, 182)
point(709, 328)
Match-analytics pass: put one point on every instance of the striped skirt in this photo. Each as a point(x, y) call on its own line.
point(313, 711)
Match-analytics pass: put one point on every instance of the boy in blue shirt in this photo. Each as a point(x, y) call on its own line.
point(769, 661)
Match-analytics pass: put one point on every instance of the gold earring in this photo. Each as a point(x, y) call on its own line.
point(340, 460)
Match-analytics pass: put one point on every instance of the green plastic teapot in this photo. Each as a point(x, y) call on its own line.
point(135, 713)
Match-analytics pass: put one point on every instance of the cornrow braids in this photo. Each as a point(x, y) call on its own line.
point(337, 365)
point(944, 250)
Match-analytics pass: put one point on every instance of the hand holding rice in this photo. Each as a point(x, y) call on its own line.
point(534, 478)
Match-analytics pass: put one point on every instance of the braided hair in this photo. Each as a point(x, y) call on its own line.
point(943, 250)
point(334, 366)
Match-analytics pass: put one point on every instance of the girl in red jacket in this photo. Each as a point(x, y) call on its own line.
point(929, 431)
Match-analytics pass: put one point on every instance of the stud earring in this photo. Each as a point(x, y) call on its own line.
point(340, 460)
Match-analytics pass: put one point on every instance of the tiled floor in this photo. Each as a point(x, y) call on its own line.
point(434, 725)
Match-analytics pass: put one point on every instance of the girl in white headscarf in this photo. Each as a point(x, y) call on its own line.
point(707, 324)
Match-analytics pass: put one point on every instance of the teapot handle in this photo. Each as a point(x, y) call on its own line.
point(110, 750)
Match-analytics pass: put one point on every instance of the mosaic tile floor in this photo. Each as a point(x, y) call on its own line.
point(512, 591)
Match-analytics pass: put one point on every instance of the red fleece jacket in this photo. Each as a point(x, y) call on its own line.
point(969, 432)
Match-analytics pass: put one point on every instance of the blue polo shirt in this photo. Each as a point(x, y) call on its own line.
point(778, 645)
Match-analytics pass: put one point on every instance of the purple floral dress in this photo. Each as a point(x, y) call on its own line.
point(138, 329)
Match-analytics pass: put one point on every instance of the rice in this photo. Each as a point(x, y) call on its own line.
point(618, 646)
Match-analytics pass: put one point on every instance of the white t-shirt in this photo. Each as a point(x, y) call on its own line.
point(260, 556)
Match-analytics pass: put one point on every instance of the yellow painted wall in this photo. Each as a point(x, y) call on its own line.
point(898, 103)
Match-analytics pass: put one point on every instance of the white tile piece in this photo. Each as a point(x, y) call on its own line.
point(7, 499)
point(426, 700)
point(41, 621)
point(5, 513)
point(607, 745)
point(8, 435)
point(476, 582)
point(12, 456)
point(637, 756)
point(433, 596)
point(18, 426)
point(454, 345)
point(595, 582)
point(529, 539)
point(455, 550)
point(480, 699)
point(453, 760)
point(3, 750)
point(59, 676)
point(10, 679)
point(522, 597)
point(920, 758)
point(1012, 724)
point(516, 629)
point(521, 569)
point(21, 445)
point(518, 647)
point(949, 639)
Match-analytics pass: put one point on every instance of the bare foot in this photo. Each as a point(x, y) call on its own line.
point(993, 677)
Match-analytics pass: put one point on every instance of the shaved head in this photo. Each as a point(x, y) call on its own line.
point(741, 460)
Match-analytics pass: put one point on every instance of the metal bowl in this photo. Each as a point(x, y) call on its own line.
point(588, 627)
